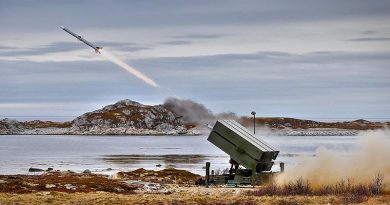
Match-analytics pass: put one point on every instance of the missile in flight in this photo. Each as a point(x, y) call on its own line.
point(96, 48)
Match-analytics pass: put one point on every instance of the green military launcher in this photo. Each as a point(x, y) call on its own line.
point(244, 149)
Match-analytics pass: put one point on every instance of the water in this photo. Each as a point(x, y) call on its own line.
point(109, 154)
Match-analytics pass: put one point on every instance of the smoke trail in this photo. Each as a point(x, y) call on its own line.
point(127, 67)
point(331, 166)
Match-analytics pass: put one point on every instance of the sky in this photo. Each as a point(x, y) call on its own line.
point(303, 58)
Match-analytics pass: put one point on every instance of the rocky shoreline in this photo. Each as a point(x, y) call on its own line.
point(316, 132)
point(127, 117)
point(101, 131)
point(182, 131)
point(191, 132)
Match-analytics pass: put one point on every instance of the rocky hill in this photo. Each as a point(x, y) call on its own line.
point(175, 117)
point(298, 127)
point(125, 117)
point(129, 117)
point(284, 122)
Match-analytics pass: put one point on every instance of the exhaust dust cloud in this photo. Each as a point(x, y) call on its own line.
point(191, 111)
point(127, 67)
point(329, 167)
point(195, 113)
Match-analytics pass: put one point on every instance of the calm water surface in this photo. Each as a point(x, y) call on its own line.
point(109, 154)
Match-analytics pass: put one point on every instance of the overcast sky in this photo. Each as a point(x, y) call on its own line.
point(306, 59)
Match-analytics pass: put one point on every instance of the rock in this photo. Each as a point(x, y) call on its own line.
point(8, 126)
point(44, 193)
point(35, 170)
point(114, 176)
point(118, 189)
point(48, 186)
point(166, 192)
point(2, 181)
point(87, 171)
point(126, 112)
point(70, 186)
point(152, 186)
point(49, 169)
point(30, 184)
point(200, 182)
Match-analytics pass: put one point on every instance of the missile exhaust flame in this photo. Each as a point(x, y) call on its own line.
point(127, 67)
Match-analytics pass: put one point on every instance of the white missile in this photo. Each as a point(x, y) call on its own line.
point(96, 48)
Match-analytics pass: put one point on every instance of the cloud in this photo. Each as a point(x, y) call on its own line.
point(26, 16)
point(369, 32)
point(199, 36)
point(8, 48)
point(41, 50)
point(58, 47)
point(65, 52)
point(269, 58)
point(315, 84)
point(176, 42)
point(132, 48)
point(369, 39)
point(221, 67)
point(190, 38)
point(280, 82)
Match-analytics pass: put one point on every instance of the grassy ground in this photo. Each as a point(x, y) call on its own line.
point(172, 186)
point(176, 198)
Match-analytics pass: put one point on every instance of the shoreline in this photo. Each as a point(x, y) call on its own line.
point(195, 132)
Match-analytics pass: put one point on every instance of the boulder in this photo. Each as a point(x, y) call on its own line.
point(87, 171)
point(32, 169)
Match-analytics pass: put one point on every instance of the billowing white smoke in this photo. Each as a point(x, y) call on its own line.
point(127, 67)
point(329, 166)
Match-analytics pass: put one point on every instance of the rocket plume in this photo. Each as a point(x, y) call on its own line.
point(127, 67)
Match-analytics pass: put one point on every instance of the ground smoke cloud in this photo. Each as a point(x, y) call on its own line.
point(195, 113)
point(191, 112)
point(329, 167)
point(127, 67)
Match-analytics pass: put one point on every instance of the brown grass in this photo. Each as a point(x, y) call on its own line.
point(350, 190)
point(176, 198)
point(97, 189)
point(45, 124)
point(279, 122)
point(165, 176)
point(80, 182)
